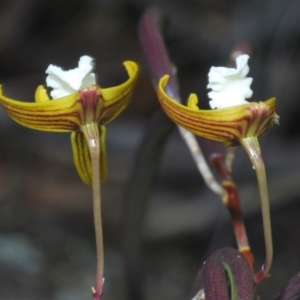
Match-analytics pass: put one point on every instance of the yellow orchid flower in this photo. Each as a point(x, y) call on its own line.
point(227, 125)
point(79, 106)
point(234, 119)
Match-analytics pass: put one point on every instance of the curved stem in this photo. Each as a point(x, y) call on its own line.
point(201, 163)
point(91, 134)
point(252, 148)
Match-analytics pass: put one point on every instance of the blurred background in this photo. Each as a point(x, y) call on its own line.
point(47, 248)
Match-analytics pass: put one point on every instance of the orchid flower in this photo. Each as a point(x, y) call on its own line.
point(78, 105)
point(233, 121)
point(82, 107)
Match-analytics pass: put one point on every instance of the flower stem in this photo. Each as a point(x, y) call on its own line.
point(252, 148)
point(91, 133)
point(232, 202)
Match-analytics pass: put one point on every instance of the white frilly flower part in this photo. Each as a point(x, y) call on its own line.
point(229, 86)
point(64, 83)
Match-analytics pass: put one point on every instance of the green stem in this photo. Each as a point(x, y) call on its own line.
point(252, 148)
point(91, 134)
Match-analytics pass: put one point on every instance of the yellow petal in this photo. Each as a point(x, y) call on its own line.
point(55, 115)
point(227, 125)
point(82, 158)
point(116, 98)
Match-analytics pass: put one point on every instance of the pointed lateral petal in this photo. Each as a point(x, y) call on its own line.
point(228, 125)
point(116, 98)
point(59, 115)
point(82, 158)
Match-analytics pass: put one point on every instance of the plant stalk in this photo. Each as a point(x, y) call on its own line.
point(232, 201)
point(252, 148)
point(91, 133)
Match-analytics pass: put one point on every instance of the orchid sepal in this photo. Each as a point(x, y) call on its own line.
point(81, 155)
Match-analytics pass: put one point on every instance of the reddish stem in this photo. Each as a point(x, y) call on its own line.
point(232, 202)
